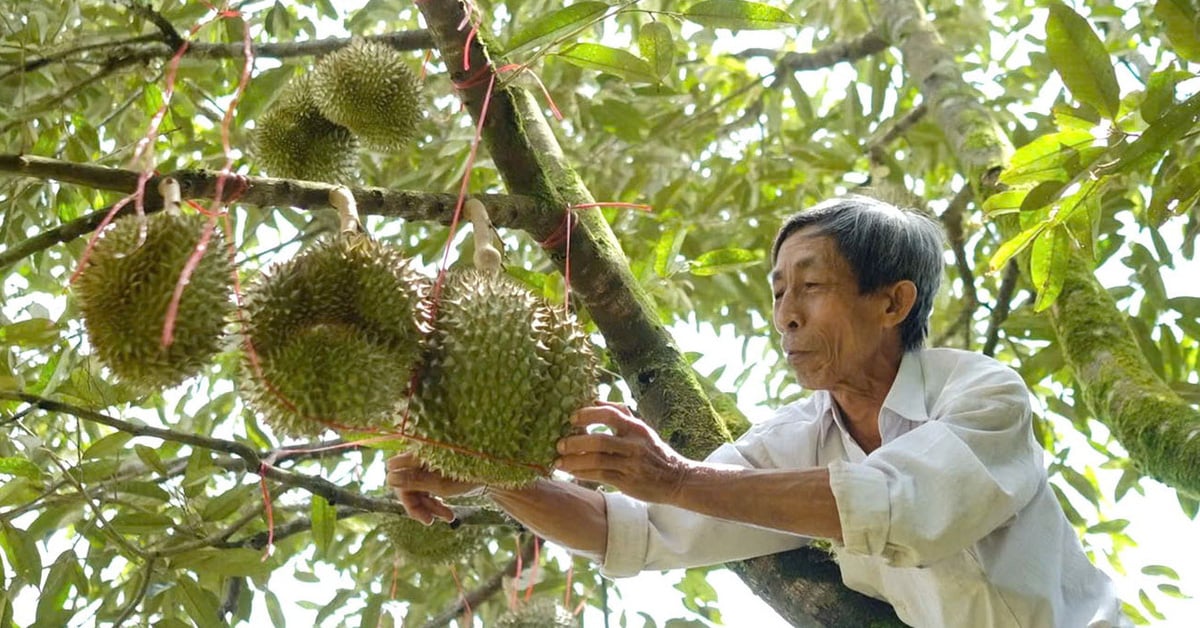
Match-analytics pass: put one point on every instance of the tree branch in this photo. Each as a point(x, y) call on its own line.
point(123, 52)
point(830, 55)
point(1008, 286)
point(877, 147)
point(505, 210)
point(131, 607)
point(952, 221)
point(485, 590)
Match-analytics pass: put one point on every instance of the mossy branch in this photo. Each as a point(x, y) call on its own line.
point(531, 162)
point(1159, 429)
point(829, 55)
point(505, 210)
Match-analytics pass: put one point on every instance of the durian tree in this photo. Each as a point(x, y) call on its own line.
point(1057, 144)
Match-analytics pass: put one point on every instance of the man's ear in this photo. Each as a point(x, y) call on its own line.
point(901, 298)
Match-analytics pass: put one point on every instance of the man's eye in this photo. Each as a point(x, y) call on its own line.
point(778, 295)
point(810, 284)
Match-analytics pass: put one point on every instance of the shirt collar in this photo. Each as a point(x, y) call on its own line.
point(907, 395)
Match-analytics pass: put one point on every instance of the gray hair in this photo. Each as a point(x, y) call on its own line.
point(883, 244)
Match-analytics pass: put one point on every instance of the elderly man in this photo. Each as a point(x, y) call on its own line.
point(918, 464)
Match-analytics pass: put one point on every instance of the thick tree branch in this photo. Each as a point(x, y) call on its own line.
point(505, 210)
point(952, 221)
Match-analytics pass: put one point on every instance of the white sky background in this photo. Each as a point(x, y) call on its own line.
point(1164, 535)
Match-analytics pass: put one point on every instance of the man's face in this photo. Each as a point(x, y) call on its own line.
point(830, 332)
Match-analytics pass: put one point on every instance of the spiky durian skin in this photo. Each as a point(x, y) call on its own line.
point(293, 140)
point(368, 88)
point(432, 545)
point(539, 613)
point(336, 333)
point(126, 288)
point(503, 374)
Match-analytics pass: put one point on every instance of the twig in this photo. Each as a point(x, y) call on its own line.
point(832, 54)
point(877, 147)
point(505, 210)
point(170, 36)
point(139, 596)
point(1000, 312)
point(485, 590)
point(52, 100)
point(952, 220)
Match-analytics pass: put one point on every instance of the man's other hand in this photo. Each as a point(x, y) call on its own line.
point(632, 458)
point(420, 489)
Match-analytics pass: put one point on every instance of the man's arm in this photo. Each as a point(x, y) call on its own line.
point(636, 461)
point(569, 515)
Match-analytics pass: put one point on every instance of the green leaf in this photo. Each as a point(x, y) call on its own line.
point(1006, 202)
point(1188, 504)
point(1081, 484)
point(1129, 479)
point(1160, 570)
point(52, 609)
point(22, 553)
point(1015, 245)
point(555, 23)
point(239, 561)
point(1048, 262)
point(275, 610)
point(31, 333)
point(1147, 149)
point(1080, 58)
point(149, 456)
point(1109, 527)
point(1148, 604)
point(1173, 591)
point(666, 251)
point(611, 60)
point(657, 47)
point(20, 467)
point(723, 261)
point(738, 15)
point(107, 446)
point(1046, 158)
point(201, 604)
point(128, 522)
point(1179, 18)
point(228, 502)
point(324, 520)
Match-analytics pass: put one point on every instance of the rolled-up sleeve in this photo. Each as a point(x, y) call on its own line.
point(946, 484)
point(645, 536)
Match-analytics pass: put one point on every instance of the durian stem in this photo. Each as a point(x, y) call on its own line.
point(343, 201)
point(168, 187)
point(486, 256)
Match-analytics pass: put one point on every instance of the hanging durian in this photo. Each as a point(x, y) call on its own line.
point(335, 333)
point(292, 140)
point(126, 288)
point(434, 544)
point(503, 375)
point(368, 88)
point(538, 613)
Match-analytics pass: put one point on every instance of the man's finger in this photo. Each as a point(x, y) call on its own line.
point(601, 443)
point(618, 419)
point(403, 460)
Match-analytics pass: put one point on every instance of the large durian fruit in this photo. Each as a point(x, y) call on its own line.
point(538, 613)
point(503, 374)
point(431, 545)
point(335, 333)
point(292, 140)
point(369, 88)
point(126, 287)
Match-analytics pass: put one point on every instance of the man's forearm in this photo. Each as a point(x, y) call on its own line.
point(796, 501)
point(567, 514)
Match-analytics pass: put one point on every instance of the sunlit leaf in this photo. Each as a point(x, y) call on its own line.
point(1081, 59)
point(21, 467)
point(723, 261)
point(611, 60)
point(658, 47)
point(1179, 18)
point(1048, 259)
point(738, 15)
point(555, 23)
point(1015, 245)
point(324, 521)
point(1148, 148)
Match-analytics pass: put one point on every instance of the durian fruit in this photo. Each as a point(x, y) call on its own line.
point(292, 140)
point(502, 376)
point(539, 613)
point(431, 545)
point(336, 333)
point(369, 88)
point(126, 288)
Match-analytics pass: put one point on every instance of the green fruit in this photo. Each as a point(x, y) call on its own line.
point(292, 140)
point(504, 373)
point(539, 613)
point(368, 88)
point(434, 544)
point(336, 333)
point(126, 288)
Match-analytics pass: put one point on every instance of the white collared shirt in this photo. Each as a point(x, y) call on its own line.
point(951, 520)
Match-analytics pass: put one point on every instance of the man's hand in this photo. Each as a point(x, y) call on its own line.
point(633, 459)
point(420, 489)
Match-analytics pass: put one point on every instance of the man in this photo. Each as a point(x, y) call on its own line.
point(918, 464)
